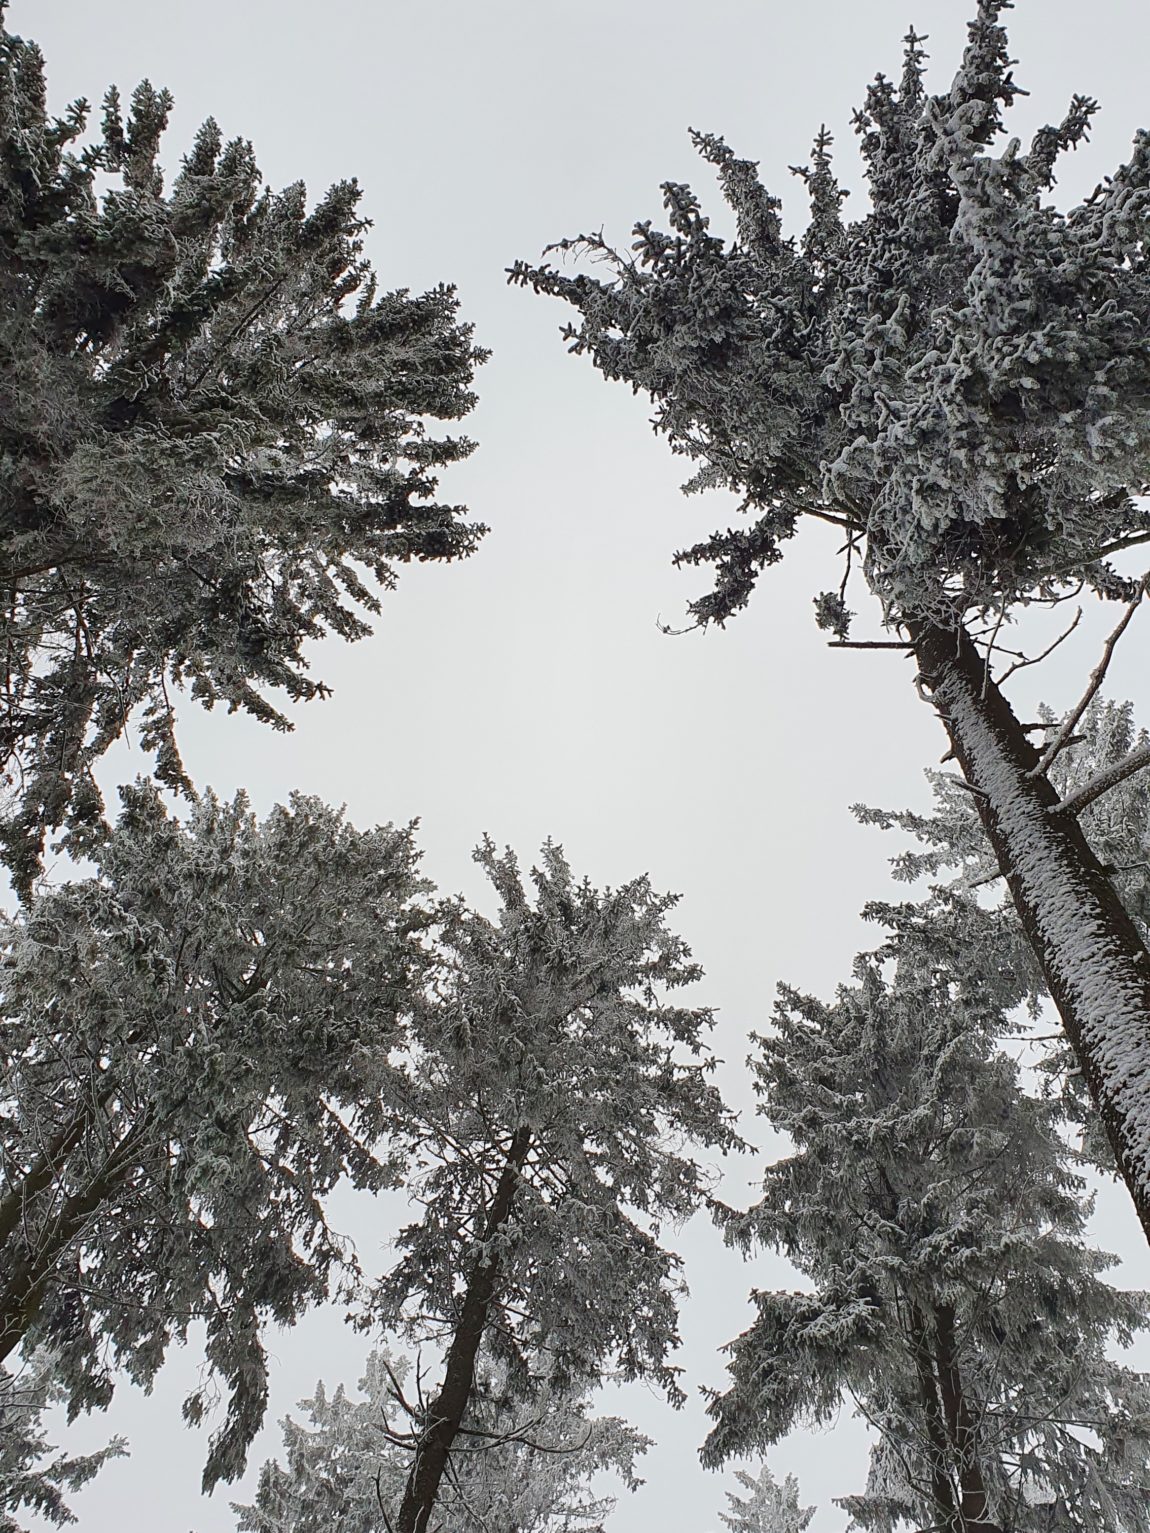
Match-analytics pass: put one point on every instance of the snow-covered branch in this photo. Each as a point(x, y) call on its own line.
point(1102, 782)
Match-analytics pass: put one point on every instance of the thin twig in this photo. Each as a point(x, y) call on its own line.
point(961, 782)
point(990, 650)
point(1025, 661)
point(1097, 677)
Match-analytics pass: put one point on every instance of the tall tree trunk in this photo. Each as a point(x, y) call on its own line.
point(449, 1407)
point(1095, 963)
point(974, 1502)
point(939, 1457)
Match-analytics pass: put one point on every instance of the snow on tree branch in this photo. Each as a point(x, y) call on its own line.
point(959, 373)
point(216, 440)
point(195, 1042)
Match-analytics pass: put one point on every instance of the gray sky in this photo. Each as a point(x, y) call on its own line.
point(528, 692)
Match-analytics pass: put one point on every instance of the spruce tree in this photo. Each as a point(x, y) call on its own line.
point(958, 381)
point(769, 1508)
point(213, 437)
point(33, 1474)
point(938, 1216)
point(523, 1469)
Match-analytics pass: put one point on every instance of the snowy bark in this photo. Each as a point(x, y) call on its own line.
point(450, 1405)
point(1095, 963)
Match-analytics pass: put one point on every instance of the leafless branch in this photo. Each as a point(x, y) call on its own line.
point(869, 644)
point(517, 1435)
point(673, 633)
point(990, 650)
point(1097, 676)
point(961, 782)
point(1102, 782)
point(1035, 659)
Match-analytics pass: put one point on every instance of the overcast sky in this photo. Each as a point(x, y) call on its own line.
point(528, 691)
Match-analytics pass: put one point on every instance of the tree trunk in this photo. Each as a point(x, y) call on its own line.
point(1094, 961)
point(449, 1407)
point(942, 1491)
point(974, 1502)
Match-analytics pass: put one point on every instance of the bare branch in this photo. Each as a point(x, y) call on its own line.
point(988, 878)
point(1103, 781)
point(517, 1435)
point(961, 782)
point(1097, 676)
point(1034, 660)
point(869, 644)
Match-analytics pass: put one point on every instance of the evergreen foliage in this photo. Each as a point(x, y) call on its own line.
point(959, 376)
point(770, 1507)
point(956, 849)
point(522, 1469)
point(939, 1217)
point(186, 1040)
point(554, 1095)
point(1117, 823)
point(26, 1480)
point(213, 437)
point(959, 380)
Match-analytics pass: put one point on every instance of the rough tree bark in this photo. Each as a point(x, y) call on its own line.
point(447, 1410)
point(1095, 963)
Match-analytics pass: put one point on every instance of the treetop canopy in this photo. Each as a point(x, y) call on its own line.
point(960, 378)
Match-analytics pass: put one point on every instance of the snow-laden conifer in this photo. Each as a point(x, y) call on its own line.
point(194, 1040)
point(556, 1096)
point(938, 1216)
point(769, 1508)
point(521, 1469)
point(958, 380)
point(1117, 822)
point(214, 440)
point(34, 1476)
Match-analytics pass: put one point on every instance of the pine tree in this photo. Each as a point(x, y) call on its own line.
point(959, 382)
point(523, 1470)
point(938, 1215)
point(554, 1094)
point(213, 437)
point(194, 1041)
